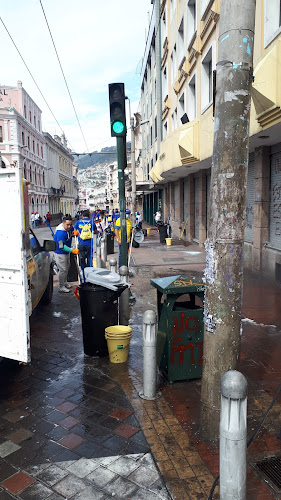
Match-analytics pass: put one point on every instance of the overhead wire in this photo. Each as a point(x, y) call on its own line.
point(14, 43)
point(64, 76)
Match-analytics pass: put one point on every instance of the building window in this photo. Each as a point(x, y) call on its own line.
point(272, 20)
point(1, 134)
point(37, 149)
point(28, 142)
point(43, 178)
point(151, 136)
point(192, 98)
point(41, 152)
point(207, 80)
point(35, 176)
point(181, 105)
point(39, 125)
point(174, 72)
point(30, 174)
point(22, 138)
point(33, 146)
point(34, 121)
point(165, 84)
point(175, 120)
point(24, 111)
point(191, 19)
point(181, 42)
point(30, 116)
point(164, 26)
point(155, 127)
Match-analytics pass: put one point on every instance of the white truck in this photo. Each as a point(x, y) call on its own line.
point(26, 270)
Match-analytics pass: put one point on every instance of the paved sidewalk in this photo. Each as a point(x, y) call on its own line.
point(259, 363)
point(73, 426)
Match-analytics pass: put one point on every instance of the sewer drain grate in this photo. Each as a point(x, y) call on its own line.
point(271, 470)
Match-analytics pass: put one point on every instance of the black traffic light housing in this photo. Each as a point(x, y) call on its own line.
point(117, 109)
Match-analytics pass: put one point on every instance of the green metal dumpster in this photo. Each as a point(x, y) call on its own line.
point(180, 326)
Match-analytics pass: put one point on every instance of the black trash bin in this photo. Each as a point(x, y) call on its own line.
point(99, 309)
point(162, 232)
point(110, 243)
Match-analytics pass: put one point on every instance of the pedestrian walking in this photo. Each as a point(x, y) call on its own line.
point(138, 220)
point(32, 219)
point(115, 214)
point(37, 219)
point(158, 216)
point(117, 230)
point(63, 237)
point(83, 229)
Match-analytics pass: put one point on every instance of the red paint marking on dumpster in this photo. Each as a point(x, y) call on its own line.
point(178, 328)
point(191, 323)
point(181, 348)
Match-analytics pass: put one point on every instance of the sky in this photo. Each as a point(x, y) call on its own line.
point(98, 42)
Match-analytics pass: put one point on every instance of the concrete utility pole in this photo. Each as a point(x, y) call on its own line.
point(224, 245)
point(133, 167)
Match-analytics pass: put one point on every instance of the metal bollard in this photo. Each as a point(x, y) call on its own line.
point(233, 436)
point(124, 313)
point(113, 265)
point(103, 250)
point(149, 357)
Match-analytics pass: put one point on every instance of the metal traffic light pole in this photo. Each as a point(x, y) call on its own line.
point(121, 154)
point(119, 130)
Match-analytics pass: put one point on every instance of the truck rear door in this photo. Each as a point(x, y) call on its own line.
point(14, 236)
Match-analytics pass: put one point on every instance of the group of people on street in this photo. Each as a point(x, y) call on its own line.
point(36, 219)
point(83, 230)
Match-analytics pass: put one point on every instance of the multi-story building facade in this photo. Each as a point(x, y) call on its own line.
point(22, 142)
point(62, 189)
point(82, 196)
point(112, 186)
point(181, 173)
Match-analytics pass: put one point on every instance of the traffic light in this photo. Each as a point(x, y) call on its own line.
point(117, 109)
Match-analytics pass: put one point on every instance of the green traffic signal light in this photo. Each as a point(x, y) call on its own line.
point(118, 127)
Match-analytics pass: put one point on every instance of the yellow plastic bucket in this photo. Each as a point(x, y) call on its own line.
point(118, 330)
point(148, 231)
point(168, 242)
point(95, 262)
point(118, 343)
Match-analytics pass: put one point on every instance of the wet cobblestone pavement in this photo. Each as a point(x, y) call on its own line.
point(73, 426)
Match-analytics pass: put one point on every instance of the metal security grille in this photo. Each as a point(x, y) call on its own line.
point(177, 202)
point(249, 223)
point(275, 198)
point(185, 199)
point(271, 470)
point(196, 208)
